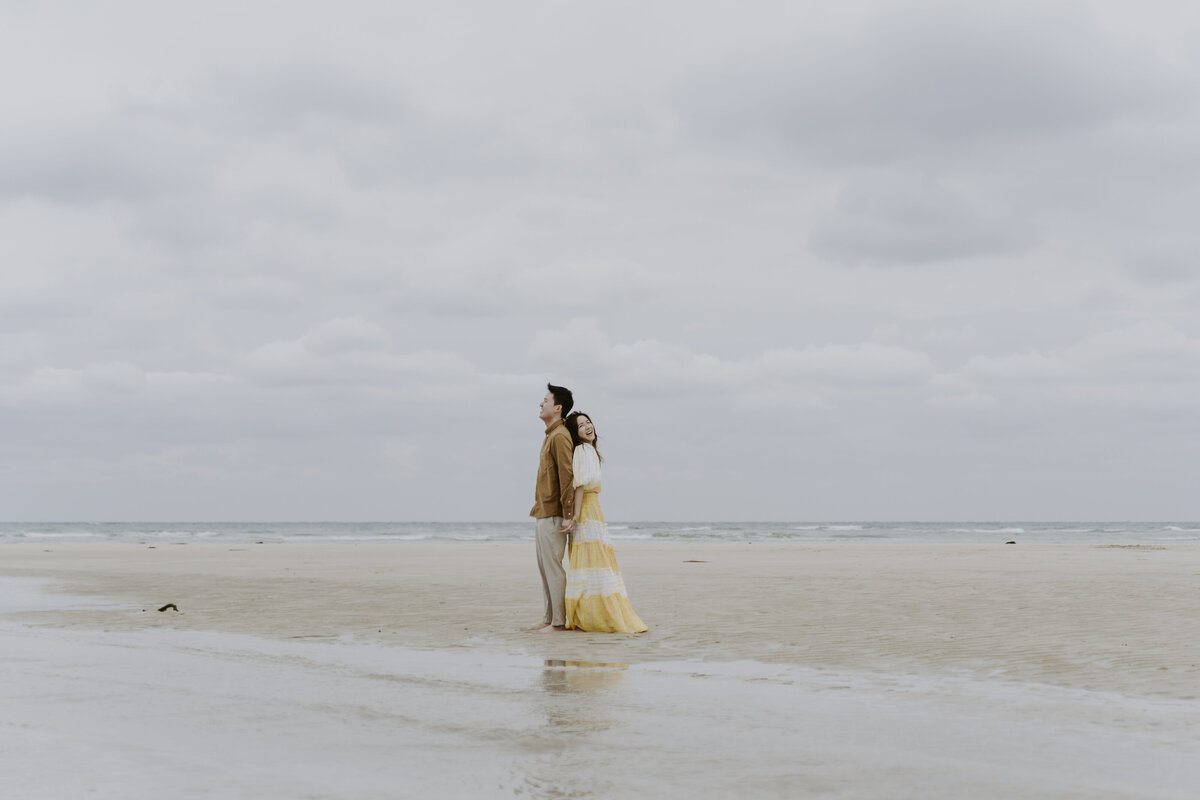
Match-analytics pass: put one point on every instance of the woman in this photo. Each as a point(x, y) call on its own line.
point(596, 598)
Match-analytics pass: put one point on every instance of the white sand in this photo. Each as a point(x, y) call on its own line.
point(856, 671)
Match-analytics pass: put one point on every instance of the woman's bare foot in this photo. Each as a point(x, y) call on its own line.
point(537, 627)
point(552, 628)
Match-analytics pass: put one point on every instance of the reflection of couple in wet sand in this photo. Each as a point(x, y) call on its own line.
point(589, 595)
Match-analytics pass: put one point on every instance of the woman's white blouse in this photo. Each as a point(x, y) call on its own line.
point(585, 464)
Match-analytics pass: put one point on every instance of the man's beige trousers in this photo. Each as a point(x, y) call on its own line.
point(550, 547)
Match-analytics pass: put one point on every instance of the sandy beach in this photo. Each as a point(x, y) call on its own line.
point(847, 670)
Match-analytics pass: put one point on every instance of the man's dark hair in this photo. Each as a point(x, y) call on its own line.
point(562, 397)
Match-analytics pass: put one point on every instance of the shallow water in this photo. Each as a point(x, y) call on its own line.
point(169, 713)
point(176, 713)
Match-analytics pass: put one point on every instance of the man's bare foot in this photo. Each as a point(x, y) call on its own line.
point(537, 627)
point(552, 628)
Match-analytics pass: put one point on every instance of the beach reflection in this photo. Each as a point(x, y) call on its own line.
point(577, 700)
point(609, 667)
point(582, 681)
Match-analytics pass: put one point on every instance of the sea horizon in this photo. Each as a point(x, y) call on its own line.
point(1159, 532)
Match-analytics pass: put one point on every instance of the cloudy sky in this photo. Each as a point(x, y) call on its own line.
point(799, 260)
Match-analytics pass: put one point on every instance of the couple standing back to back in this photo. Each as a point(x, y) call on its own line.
point(590, 594)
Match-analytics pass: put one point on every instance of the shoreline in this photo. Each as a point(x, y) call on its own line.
point(1094, 617)
point(854, 671)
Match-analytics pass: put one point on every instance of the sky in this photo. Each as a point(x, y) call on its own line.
point(799, 261)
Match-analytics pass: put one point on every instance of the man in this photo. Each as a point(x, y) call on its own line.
point(554, 496)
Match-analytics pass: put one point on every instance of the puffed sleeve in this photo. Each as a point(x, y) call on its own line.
point(585, 465)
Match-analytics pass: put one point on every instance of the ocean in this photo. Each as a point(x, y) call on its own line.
point(1099, 533)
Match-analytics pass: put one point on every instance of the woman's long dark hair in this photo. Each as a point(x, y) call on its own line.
point(572, 423)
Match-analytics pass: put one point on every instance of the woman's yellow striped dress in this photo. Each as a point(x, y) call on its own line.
point(596, 598)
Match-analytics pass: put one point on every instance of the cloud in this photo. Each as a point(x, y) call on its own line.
point(1147, 366)
point(929, 75)
point(919, 238)
point(281, 99)
point(971, 399)
point(355, 352)
point(104, 383)
point(363, 119)
point(582, 347)
point(1147, 349)
point(93, 161)
point(294, 363)
point(941, 132)
point(19, 349)
point(406, 455)
point(344, 335)
point(256, 290)
point(511, 280)
point(889, 218)
point(672, 366)
point(783, 398)
point(1024, 366)
point(865, 362)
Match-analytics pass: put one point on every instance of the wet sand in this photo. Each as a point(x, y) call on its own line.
point(848, 670)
